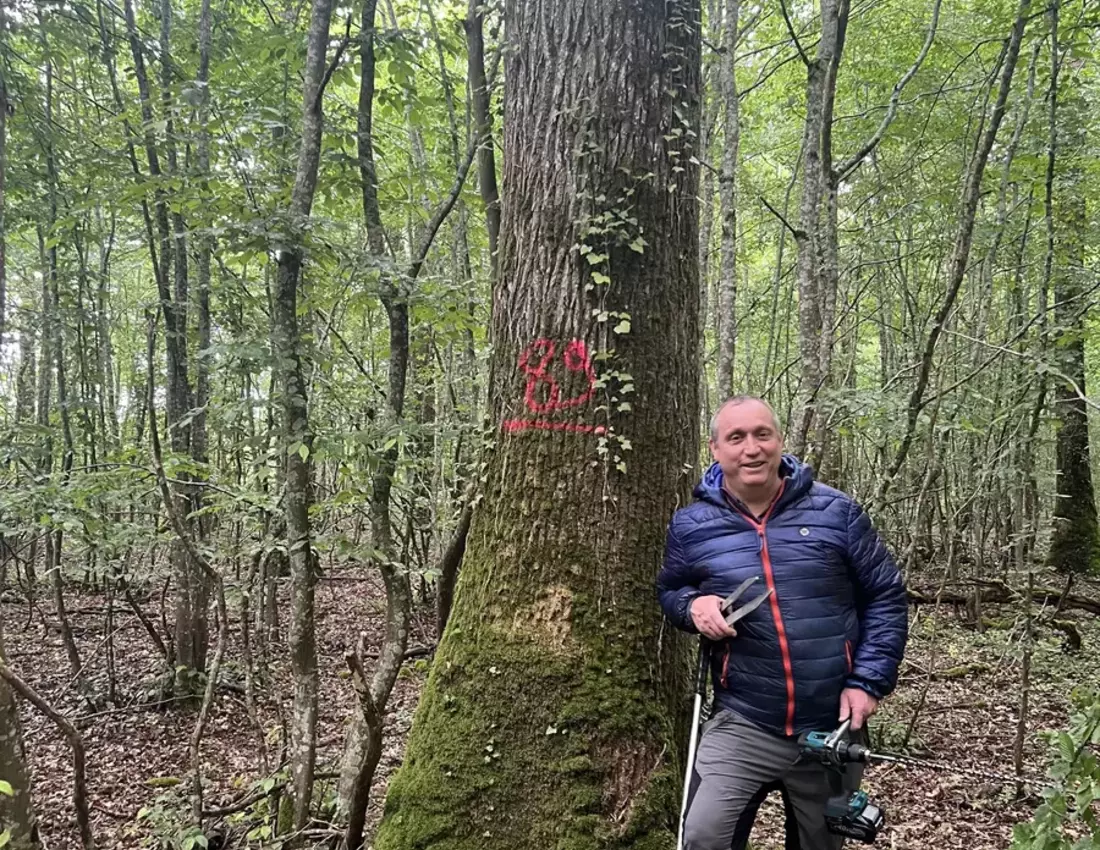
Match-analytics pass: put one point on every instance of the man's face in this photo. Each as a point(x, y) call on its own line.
point(749, 447)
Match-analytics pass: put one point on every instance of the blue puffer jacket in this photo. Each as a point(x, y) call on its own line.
point(838, 617)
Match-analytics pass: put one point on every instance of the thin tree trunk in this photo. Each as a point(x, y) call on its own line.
point(48, 249)
point(297, 434)
point(727, 192)
point(76, 743)
point(817, 159)
point(361, 752)
point(3, 175)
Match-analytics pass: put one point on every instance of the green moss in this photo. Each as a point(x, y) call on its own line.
point(576, 764)
point(498, 746)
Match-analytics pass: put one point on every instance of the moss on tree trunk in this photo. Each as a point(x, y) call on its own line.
point(551, 713)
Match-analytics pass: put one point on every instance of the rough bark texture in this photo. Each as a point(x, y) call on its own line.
point(548, 716)
point(285, 342)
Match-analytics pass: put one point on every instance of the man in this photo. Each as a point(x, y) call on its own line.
point(823, 648)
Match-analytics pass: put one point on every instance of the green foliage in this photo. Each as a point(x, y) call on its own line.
point(1067, 818)
point(165, 823)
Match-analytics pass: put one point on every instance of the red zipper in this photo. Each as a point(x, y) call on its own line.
point(784, 647)
point(848, 653)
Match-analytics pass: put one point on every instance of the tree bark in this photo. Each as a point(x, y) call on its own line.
point(547, 716)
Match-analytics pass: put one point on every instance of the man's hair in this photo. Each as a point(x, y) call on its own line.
point(734, 401)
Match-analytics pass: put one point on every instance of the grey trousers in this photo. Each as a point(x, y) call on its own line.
point(735, 760)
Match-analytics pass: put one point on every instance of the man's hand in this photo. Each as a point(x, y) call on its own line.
point(857, 704)
point(706, 613)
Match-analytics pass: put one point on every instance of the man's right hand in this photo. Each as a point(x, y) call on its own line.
point(706, 613)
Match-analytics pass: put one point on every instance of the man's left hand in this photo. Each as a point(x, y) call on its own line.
point(857, 704)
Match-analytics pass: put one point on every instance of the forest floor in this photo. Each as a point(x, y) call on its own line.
point(138, 755)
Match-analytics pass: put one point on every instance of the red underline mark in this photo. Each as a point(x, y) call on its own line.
point(515, 426)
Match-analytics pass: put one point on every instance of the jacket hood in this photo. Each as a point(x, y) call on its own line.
point(799, 478)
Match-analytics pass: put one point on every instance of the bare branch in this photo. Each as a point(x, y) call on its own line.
point(340, 48)
point(798, 234)
point(794, 37)
point(849, 165)
point(441, 213)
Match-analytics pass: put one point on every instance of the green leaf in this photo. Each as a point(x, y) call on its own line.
point(6, 789)
point(623, 327)
point(600, 277)
point(303, 451)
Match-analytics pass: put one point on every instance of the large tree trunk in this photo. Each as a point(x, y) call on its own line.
point(298, 437)
point(546, 719)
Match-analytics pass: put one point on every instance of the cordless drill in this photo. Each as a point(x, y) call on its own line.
point(852, 815)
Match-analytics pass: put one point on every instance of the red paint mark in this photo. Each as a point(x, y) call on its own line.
point(514, 426)
point(542, 393)
point(576, 359)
